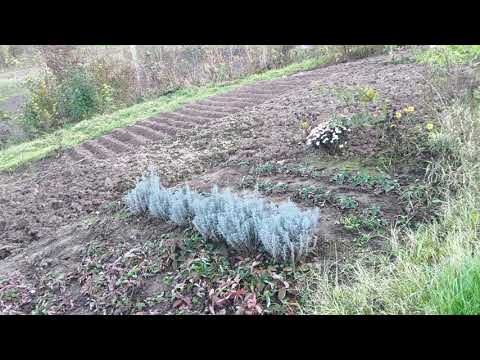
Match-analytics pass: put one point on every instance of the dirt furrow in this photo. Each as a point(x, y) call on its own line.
point(114, 145)
point(267, 91)
point(187, 118)
point(77, 154)
point(145, 132)
point(212, 101)
point(175, 124)
point(273, 86)
point(251, 94)
point(287, 83)
point(213, 108)
point(97, 150)
point(159, 127)
point(246, 101)
point(128, 138)
point(245, 96)
point(203, 113)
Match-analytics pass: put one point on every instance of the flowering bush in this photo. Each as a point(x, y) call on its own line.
point(398, 118)
point(329, 136)
point(403, 133)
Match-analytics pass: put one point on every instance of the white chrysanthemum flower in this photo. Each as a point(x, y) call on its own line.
point(340, 146)
point(318, 143)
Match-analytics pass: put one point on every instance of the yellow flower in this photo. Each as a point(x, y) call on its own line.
point(398, 114)
point(370, 94)
point(304, 125)
point(429, 126)
point(409, 109)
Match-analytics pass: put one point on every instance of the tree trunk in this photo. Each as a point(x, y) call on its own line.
point(138, 70)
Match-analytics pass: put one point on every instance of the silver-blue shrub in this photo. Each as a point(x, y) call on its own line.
point(236, 224)
point(159, 200)
point(288, 233)
point(181, 206)
point(207, 210)
point(138, 198)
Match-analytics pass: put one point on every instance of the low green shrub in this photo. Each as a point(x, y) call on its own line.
point(78, 96)
point(72, 89)
point(40, 112)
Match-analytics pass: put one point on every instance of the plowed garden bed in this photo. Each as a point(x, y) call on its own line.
point(68, 245)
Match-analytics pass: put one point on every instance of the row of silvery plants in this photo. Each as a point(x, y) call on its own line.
point(246, 222)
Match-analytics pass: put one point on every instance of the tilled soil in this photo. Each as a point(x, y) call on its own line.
point(47, 206)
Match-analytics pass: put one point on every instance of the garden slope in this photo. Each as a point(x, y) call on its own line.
point(46, 206)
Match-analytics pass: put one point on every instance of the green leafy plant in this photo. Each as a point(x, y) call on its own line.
point(363, 239)
point(370, 220)
point(269, 187)
point(78, 98)
point(267, 168)
point(341, 177)
point(359, 119)
point(387, 184)
point(346, 202)
point(355, 95)
point(366, 94)
point(306, 192)
point(363, 179)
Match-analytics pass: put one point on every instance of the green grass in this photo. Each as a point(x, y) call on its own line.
point(16, 155)
point(447, 55)
point(457, 289)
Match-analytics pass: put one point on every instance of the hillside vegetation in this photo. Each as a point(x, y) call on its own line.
point(242, 180)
